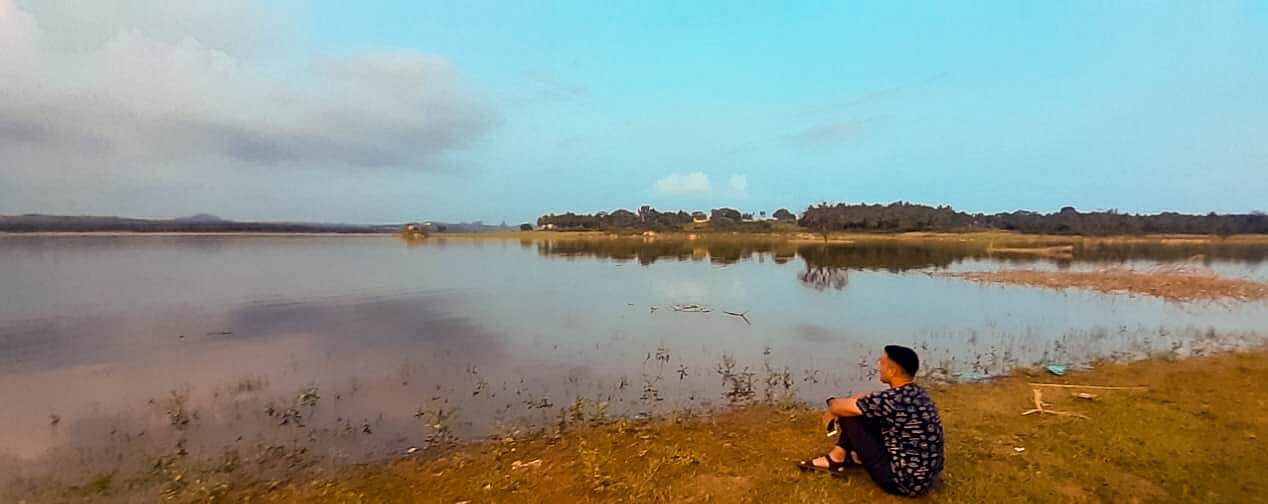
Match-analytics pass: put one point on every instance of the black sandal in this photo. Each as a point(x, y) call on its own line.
point(834, 468)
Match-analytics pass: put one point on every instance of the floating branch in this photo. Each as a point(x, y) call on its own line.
point(690, 308)
point(743, 315)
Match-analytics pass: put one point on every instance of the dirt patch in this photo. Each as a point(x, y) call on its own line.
point(1176, 284)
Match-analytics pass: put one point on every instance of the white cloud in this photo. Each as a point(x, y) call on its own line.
point(683, 183)
point(739, 183)
point(164, 94)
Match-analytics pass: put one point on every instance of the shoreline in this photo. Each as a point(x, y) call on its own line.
point(1001, 242)
point(1039, 242)
point(1132, 443)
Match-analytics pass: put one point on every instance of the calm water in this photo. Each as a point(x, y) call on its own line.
point(113, 349)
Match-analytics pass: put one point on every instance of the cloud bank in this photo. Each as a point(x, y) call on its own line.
point(698, 184)
point(682, 184)
point(151, 91)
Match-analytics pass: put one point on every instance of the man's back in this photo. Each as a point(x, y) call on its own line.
point(911, 431)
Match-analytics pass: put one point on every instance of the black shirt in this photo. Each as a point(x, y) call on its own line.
point(911, 432)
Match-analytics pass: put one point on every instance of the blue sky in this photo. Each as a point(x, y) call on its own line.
point(987, 106)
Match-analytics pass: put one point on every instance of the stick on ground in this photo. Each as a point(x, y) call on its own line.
point(1097, 387)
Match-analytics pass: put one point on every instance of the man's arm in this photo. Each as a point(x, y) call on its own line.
point(846, 406)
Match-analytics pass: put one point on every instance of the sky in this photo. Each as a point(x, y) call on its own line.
point(390, 111)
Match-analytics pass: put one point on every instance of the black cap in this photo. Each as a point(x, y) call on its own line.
point(905, 358)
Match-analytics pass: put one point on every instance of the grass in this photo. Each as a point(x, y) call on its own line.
point(1171, 285)
point(1196, 434)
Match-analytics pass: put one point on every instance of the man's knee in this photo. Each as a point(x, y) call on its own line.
point(852, 424)
point(848, 420)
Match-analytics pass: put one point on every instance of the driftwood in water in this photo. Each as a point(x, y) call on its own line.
point(740, 315)
point(696, 308)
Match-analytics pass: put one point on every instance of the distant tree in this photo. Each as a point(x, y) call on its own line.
point(621, 219)
point(784, 215)
point(721, 222)
point(646, 212)
point(526, 227)
point(441, 228)
point(729, 213)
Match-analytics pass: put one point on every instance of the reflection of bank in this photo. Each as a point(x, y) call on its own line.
point(823, 277)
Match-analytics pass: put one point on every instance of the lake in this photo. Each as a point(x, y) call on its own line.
point(118, 349)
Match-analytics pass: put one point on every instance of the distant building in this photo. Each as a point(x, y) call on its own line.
point(415, 230)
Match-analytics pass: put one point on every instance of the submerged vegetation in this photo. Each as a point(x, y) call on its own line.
point(1121, 445)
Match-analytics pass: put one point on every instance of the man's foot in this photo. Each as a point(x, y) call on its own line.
point(825, 464)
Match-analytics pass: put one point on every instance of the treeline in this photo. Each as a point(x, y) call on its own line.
point(650, 219)
point(904, 217)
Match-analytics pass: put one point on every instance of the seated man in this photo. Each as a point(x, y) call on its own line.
point(895, 434)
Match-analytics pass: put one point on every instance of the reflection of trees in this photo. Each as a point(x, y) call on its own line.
point(822, 277)
point(887, 256)
point(649, 251)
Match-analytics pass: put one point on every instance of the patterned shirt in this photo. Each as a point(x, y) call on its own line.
point(911, 432)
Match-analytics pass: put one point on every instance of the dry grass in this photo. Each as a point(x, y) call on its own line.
point(1195, 435)
point(1174, 284)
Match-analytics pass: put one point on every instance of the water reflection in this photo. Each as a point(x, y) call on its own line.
point(822, 277)
point(647, 252)
point(357, 347)
point(893, 255)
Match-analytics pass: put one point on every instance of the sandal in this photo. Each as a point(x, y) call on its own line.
point(834, 468)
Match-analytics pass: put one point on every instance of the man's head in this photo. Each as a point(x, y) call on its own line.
point(898, 362)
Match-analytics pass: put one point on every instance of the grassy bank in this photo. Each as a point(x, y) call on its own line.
point(1196, 434)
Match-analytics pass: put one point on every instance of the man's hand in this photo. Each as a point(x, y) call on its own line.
point(827, 417)
point(845, 406)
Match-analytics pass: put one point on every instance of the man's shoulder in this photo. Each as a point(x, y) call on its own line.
point(915, 390)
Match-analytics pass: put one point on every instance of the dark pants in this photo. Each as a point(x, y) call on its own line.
point(864, 438)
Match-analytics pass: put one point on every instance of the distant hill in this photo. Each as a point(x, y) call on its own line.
point(200, 223)
point(202, 217)
point(204, 223)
